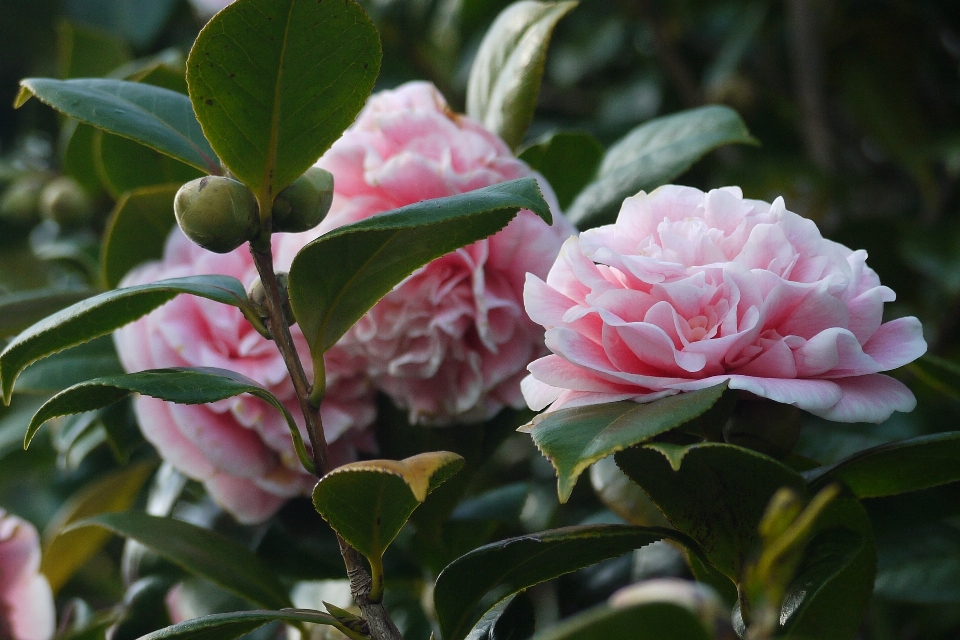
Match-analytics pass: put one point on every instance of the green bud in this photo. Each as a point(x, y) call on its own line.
point(65, 202)
point(217, 213)
point(19, 202)
point(258, 296)
point(304, 204)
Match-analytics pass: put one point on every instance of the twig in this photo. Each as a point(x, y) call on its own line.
point(806, 47)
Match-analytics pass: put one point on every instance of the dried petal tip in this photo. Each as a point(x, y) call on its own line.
point(217, 213)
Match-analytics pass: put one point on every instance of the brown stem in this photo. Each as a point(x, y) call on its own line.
point(376, 615)
point(263, 259)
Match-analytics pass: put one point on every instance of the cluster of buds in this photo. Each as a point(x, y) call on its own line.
point(220, 214)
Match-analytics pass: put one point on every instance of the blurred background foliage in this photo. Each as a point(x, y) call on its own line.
point(856, 104)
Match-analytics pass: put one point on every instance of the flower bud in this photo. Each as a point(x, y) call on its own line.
point(304, 204)
point(65, 202)
point(258, 296)
point(217, 213)
point(19, 202)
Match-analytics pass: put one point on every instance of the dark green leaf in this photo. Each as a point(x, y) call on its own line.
point(86, 52)
point(61, 370)
point(338, 277)
point(650, 621)
point(715, 493)
point(898, 467)
point(653, 154)
point(101, 314)
point(938, 373)
point(64, 552)
point(511, 619)
point(567, 159)
point(502, 504)
point(505, 77)
point(183, 385)
point(137, 230)
point(368, 502)
point(622, 496)
point(20, 310)
point(76, 145)
point(158, 118)
point(920, 564)
point(124, 165)
point(475, 582)
point(316, 63)
point(228, 626)
point(138, 21)
point(203, 553)
point(573, 439)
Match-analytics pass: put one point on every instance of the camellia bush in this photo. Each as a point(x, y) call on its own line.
point(326, 324)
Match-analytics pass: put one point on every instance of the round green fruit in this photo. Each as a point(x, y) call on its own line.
point(304, 204)
point(65, 202)
point(217, 213)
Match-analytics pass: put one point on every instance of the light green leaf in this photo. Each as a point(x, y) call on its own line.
point(102, 314)
point(567, 159)
point(573, 439)
point(898, 467)
point(368, 502)
point(466, 586)
point(506, 74)
point(201, 552)
point(651, 621)
point(137, 230)
point(183, 385)
point(66, 368)
point(158, 118)
point(65, 552)
point(715, 493)
point(653, 154)
point(315, 65)
point(21, 309)
point(229, 626)
point(338, 277)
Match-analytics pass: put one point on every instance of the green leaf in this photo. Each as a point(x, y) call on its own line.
point(101, 314)
point(124, 165)
point(622, 496)
point(316, 63)
point(939, 374)
point(76, 145)
point(653, 154)
point(715, 493)
point(137, 230)
point(228, 626)
point(920, 564)
point(158, 118)
point(650, 621)
point(138, 21)
point(567, 159)
point(573, 439)
point(21, 309)
point(64, 552)
point(338, 277)
point(506, 74)
point(368, 502)
point(183, 385)
point(84, 52)
point(61, 370)
point(475, 582)
point(502, 504)
point(828, 599)
point(203, 553)
point(512, 618)
point(898, 467)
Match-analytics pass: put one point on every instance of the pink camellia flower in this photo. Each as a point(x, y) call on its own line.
point(689, 289)
point(239, 448)
point(26, 602)
point(451, 342)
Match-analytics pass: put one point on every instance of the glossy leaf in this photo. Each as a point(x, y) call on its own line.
point(898, 467)
point(66, 368)
point(84, 52)
point(124, 165)
point(511, 619)
point(506, 74)
point(229, 626)
point(203, 553)
point(138, 21)
point(158, 118)
point(623, 496)
point(368, 502)
point(316, 63)
point(567, 159)
point(64, 552)
point(715, 493)
point(650, 621)
point(76, 161)
point(653, 154)
point(101, 314)
point(183, 385)
point(508, 566)
point(21, 309)
point(338, 277)
point(573, 439)
point(137, 230)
